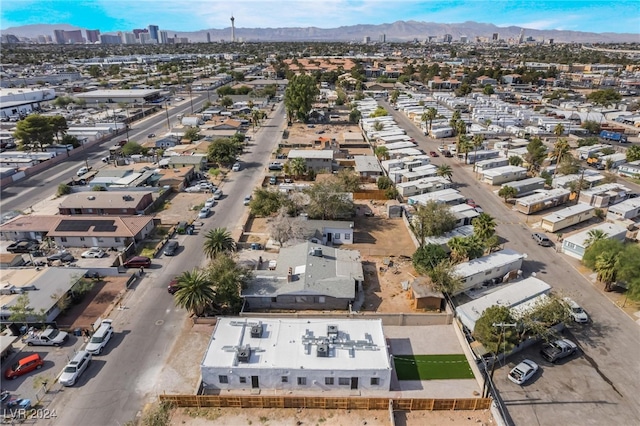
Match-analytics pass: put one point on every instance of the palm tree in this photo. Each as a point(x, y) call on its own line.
point(382, 152)
point(378, 126)
point(444, 170)
point(218, 241)
point(464, 147)
point(429, 116)
point(459, 247)
point(606, 265)
point(195, 292)
point(558, 130)
point(477, 143)
point(484, 226)
point(297, 166)
point(593, 236)
point(560, 150)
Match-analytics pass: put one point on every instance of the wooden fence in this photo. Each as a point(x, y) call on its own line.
point(341, 403)
point(370, 194)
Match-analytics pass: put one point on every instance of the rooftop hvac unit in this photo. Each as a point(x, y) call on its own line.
point(256, 330)
point(244, 354)
point(323, 350)
point(332, 330)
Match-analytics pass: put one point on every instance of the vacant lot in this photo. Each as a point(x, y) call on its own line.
point(181, 206)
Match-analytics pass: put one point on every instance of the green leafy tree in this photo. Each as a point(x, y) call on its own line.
point(569, 165)
point(445, 171)
point(384, 182)
point(63, 189)
point(540, 318)
point(348, 181)
point(558, 130)
point(496, 339)
point(379, 112)
point(70, 140)
point(515, 160)
point(633, 153)
point(59, 126)
point(299, 96)
point(223, 151)
point(265, 202)
point(427, 257)
point(378, 126)
point(226, 101)
point(444, 278)
point(431, 219)
point(218, 241)
point(536, 153)
point(195, 292)
point(591, 126)
point(34, 131)
point(131, 148)
point(229, 279)
point(21, 312)
point(354, 116)
point(605, 98)
point(507, 192)
point(192, 134)
point(629, 270)
point(488, 90)
point(328, 201)
point(465, 248)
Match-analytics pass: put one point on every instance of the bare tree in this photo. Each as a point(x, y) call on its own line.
point(284, 227)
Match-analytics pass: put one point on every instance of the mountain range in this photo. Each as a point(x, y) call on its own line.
point(399, 31)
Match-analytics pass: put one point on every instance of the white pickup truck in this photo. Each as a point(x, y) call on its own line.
point(48, 337)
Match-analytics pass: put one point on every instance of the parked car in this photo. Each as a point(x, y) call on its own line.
point(23, 246)
point(62, 256)
point(94, 252)
point(24, 365)
point(555, 351)
point(100, 338)
point(471, 203)
point(275, 166)
point(210, 202)
point(173, 286)
point(273, 180)
point(434, 154)
point(75, 368)
point(83, 170)
point(523, 372)
point(577, 313)
point(204, 213)
point(217, 194)
point(541, 239)
point(171, 248)
point(151, 135)
point(247, 200)
point(47, 337)
point(195, 188)
point(448, 154)
point(235, 167)
point(138, 262)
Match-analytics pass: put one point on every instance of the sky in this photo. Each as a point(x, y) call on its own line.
point(599, 16)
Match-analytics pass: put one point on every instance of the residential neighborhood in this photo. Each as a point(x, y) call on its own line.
point(407, 227)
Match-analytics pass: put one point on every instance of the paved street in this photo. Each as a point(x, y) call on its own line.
point(609, 343)
point(126, 379)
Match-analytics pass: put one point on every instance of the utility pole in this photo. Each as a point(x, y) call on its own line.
point(166, 109)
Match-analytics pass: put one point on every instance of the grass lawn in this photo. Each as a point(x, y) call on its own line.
point(432, 367)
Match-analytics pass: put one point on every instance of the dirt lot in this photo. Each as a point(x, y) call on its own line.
point(94, 304)
point(295, 417)
point(379, 240)
point(180, 206)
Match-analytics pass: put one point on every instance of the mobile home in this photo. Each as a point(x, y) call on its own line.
point(491, 163)
point(542, 200)
point(576, 244)
point(628, 209)
point(604, 195)
point(504, 174)
point(483, 270)
point(526, 186)
point(567, 217)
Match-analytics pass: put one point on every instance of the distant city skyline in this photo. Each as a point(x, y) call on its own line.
point(596, 16)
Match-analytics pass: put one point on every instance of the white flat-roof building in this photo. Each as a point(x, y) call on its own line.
point(446, 196)
point(511, 296)
point(297, 354)
point(628, 209)
point(478, 271)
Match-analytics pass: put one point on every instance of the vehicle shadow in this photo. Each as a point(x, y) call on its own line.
point(116, 339)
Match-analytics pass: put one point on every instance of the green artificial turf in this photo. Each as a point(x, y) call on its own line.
point(432, 367)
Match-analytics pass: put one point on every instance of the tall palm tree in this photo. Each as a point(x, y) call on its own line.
point(298, 166)
point(429, 115)
point(484, 226)
point(560, 149)
point(595, 235)
point(459, 247)
point(464, 147)
point(558, 130)
point(606, 265)
point(444, 170)
point(218, 241)
point(477, 143)
point(195, 292)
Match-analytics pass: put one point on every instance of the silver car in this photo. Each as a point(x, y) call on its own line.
point(75, 368)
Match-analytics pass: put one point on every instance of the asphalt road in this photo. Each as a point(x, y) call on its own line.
point(609, 343)
point(118, 385)
point(24, 194)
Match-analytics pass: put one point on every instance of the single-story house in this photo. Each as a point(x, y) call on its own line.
point(109, 203)
point(575, 245)
point(307, 276)
point(198, 162)
point(367, 166)
point(177, 178)
point(297, 354)
point(316, 160)
point(327, 232)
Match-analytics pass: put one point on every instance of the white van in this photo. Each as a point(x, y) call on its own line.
point(100, 338)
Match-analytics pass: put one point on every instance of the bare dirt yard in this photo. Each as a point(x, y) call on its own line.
point(180, 206)
point(94, 304)
point(317, 417)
